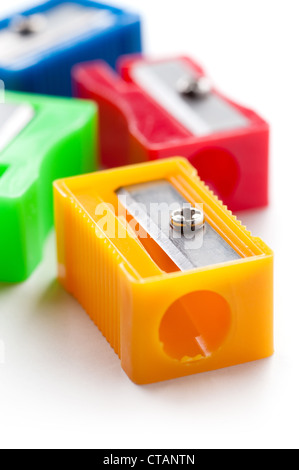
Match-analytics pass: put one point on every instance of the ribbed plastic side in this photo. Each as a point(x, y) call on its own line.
point(92, 266)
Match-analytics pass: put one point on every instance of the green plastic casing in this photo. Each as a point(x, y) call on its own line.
point(59, 141)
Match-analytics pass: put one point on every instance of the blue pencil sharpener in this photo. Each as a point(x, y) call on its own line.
point(39, 47)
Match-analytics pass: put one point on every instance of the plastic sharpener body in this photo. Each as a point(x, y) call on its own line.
point(156, 109)
point(163, 317)
point(41, 139)
point(39, 46)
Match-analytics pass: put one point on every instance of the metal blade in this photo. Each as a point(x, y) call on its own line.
point(13, 119)
point(151, 205)
point(61, 24)
point(200, 116)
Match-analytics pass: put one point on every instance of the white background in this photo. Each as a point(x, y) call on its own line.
point(62, 385)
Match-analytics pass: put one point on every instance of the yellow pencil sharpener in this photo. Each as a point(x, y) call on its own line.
point(172, 279)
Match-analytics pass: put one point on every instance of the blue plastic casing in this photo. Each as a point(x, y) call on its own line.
point(49, 72)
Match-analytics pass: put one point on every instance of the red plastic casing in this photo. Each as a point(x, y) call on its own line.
point(134, 128)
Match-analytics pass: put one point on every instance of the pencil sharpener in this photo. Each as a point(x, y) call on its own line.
point(39, 47)
point(172, 279)
point(41, 139)
point(157, 109)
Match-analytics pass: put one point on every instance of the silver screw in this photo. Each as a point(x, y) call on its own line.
point(194, 87)
point(187, 219)
point(28, 25)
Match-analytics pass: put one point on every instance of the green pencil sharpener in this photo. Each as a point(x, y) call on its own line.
point(41, 139)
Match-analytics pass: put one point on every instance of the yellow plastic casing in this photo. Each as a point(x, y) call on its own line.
point(163, 323)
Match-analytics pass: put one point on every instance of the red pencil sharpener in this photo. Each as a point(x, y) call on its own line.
point(157, 109)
